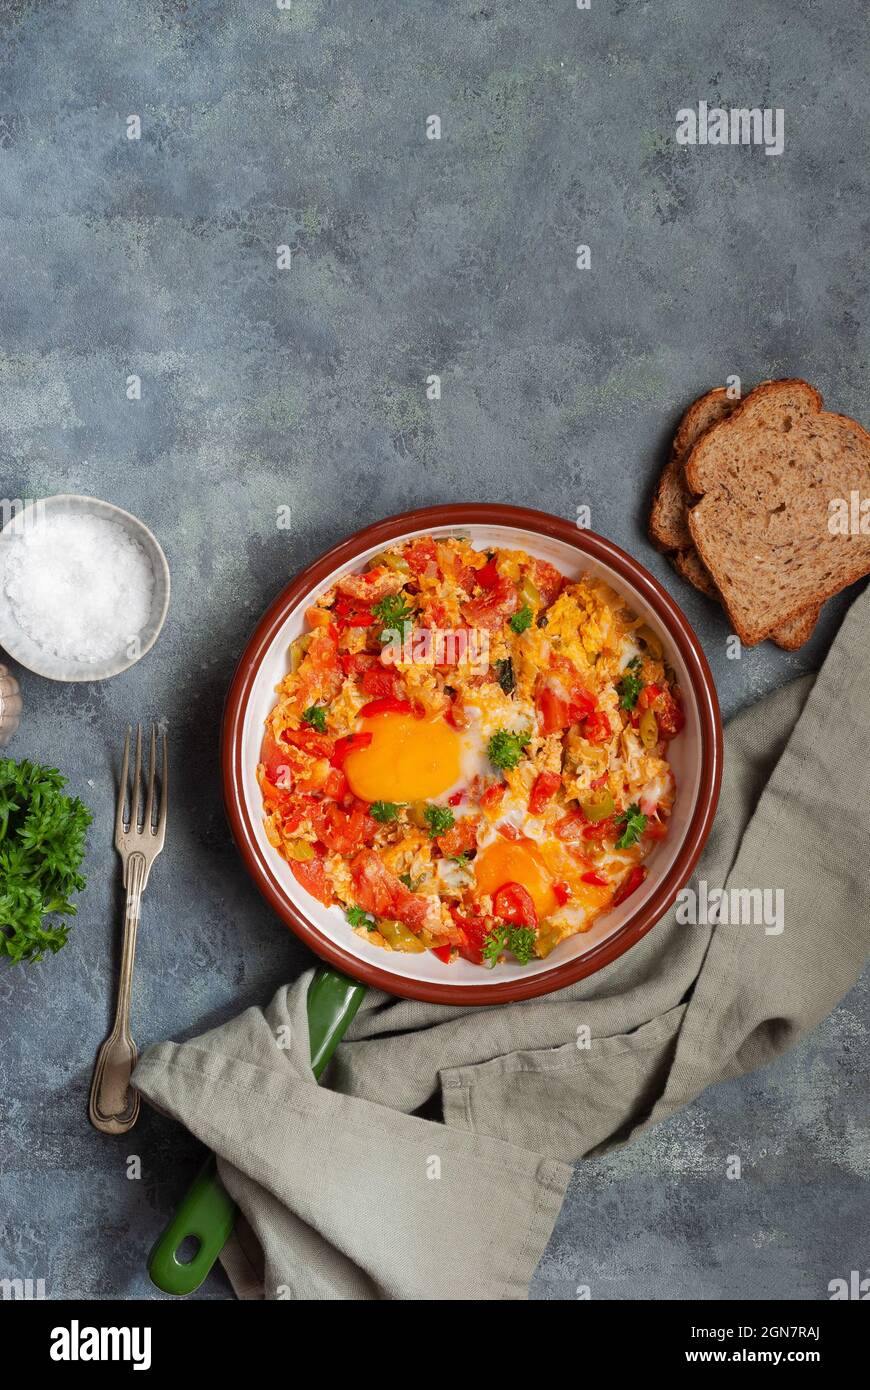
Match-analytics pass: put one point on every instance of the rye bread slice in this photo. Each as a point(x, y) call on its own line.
point(765, 477)
point(790, 636)
point(668, 519)
point(668, 527)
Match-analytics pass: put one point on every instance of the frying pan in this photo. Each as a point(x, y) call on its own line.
point(206, 1212)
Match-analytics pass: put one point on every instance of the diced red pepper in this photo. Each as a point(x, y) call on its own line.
point(488, 576)
point(561, 892)
point(387, 704)
point(349, 612)
point(455, 799)
point(545, 786)
point(310, 741)
point(631, 884)
point(443, 953)
point(594, 878)
point(349, 744)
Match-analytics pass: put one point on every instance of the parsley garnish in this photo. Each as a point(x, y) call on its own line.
point(392, 611)
point(521, 620)
point(631, 684)
point(634, 824)
point(42, 841)
point(438, 818)
point(505, 749)
point(358, 918)
point(315, 715)
point(385, 811)
point(520, 941)
point(460, 859)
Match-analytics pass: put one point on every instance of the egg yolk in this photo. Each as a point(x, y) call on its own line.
point(408, 759)
point(516, 861)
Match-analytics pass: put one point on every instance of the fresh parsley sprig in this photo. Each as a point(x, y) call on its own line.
point(505, 748)
point(520, 941)
point(315, 716)
point(42, 843)
point(631, 684)
point(633, 823)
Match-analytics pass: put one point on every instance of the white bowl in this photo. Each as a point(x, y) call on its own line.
point(23, 649)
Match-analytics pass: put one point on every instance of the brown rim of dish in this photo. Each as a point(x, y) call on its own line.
point(344, 555)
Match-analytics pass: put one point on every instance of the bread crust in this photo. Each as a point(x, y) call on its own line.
point(668, 523)
point(701, 477)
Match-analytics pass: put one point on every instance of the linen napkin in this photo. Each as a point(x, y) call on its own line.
point(349, 1193)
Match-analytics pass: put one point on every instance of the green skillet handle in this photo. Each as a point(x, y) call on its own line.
point(207, 1212)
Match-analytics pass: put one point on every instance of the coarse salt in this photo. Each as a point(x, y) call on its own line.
point(79, 586)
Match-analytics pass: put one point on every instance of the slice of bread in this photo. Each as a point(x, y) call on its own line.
point(765, 477)
point(668, 524)
point(790, 636)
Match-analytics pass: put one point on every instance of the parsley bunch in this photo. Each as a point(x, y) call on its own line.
point(42, 842)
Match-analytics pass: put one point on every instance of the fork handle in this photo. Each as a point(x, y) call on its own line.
point(114, 1105)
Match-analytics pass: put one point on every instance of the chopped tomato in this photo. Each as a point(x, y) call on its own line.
point(310, 741)
point(547, 580)
point(311, 875)
point(561, 892)
point(421, 554)
point(379, 681)
point(461, 838)
point(472, 931)
point(633, 882)
point(513, 903)
point(594, 878)
point(669, 715)
point(493, 795)
point(335, 785)
point(346, 745)
point(380, 892)
point(273, 757)
point(597, 727)
point(455, 799)
point(443, 953)
point(648, 696)
point(341, 831)
point(600, 829)
point(350, 612)
point(357, 663)
point(491, 610)
point(560, 706)
point(387, 704)
point(545, 787)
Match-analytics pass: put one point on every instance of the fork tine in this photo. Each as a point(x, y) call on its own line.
point(152, 773)
point(137, 783)
point(164, 790)
point(122, 787)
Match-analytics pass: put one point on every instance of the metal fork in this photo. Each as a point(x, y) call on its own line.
point(114, 1105)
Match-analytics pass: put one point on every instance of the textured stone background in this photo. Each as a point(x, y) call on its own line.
point(306, 387)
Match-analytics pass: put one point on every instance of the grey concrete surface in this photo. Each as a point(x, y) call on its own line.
point(305, 388)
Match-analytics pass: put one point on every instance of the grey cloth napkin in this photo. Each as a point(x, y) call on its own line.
point(350, 1194)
